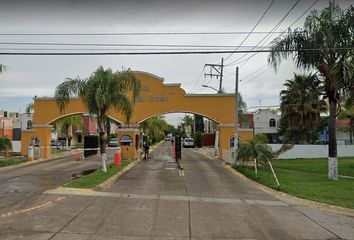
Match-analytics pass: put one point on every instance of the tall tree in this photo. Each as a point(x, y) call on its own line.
point(29, 108)
point(187, 122)
point(100, 92)
point(241, 104)
point(2, 68)
point(300, 104)
point(325, 44)
point(155, 127)
point(242, 109)
point(66, 123)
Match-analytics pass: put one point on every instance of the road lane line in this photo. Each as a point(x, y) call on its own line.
point(32, 208)
point(82, 192)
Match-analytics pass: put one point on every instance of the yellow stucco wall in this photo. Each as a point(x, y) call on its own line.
point(129, 152)
point(43, 133)
point(156, 98)
point(246, 135)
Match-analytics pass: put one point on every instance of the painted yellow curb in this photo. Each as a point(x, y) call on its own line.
point(292, 199)
point(109, 182)
point(69, 190)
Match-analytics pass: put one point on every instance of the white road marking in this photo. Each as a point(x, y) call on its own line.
point(32, 208)
point(67, 191)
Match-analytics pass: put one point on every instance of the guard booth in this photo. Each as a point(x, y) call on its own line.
point(129, 142)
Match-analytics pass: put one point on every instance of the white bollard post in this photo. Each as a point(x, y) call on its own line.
point(30, 153)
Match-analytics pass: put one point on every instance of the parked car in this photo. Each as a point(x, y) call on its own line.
point(55, 144)
point(167, 138)
point(188, 142)
point(113, 142)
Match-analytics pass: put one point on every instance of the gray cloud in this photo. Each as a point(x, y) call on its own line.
point(33, 75)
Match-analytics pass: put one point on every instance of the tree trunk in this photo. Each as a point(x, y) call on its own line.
point(332, 141)
point(274, 175)
point(108, 125)
point(255, 167)
point(67, 136)
point(102, 135)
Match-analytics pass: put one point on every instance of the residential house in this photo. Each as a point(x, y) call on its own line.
point(266, 121)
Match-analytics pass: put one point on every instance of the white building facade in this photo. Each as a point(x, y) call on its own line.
point(266, 121)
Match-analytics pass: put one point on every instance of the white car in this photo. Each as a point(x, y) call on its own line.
point(188, 142)
point(113, 142)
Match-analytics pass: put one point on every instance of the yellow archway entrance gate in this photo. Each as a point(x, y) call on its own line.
point(155, 98)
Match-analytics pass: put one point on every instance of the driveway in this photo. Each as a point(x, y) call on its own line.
point(155, 200)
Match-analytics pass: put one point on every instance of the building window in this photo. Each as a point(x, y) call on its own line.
point(272, 122)
point(29, 124)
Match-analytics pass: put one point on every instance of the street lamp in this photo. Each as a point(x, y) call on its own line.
point(206, 86)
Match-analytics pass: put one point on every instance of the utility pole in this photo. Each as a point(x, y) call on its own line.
point(218, 68)
point(236, 116)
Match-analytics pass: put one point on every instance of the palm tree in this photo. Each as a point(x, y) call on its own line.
point(241, 104)
point(29, 108)
point(255, 151)
point(241, 108)
point(66, 123)
point(2, 68)
point(301, 104)
point(325, 44)
point(5, 145)
point(155, 127)
point(100, 92)
point(187, 121)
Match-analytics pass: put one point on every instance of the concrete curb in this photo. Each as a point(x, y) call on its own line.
point(34, 162)
point(110, 181)
point(106, 184)
point(292, 200)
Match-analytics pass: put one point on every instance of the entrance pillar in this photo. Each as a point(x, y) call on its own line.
point(227, 131)
point(40, 132)
point(129, 143)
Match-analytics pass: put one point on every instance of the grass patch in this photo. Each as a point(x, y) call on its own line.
point(307, 178)
point(316, 165)
point(96, 178)
point(9, 162)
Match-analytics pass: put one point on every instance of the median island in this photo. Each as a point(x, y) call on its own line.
point(97, 177)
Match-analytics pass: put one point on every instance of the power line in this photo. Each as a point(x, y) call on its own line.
point(111, 49)
point(258, 70)
point(249, 80)
point(133, 33)
point(308, 9)
point(252, 29)
point(168, 52)
point(118, 44)
point(200, 76)
point(201, 85)
point(269, 34)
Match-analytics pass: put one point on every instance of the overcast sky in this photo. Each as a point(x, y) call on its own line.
point(27, 76)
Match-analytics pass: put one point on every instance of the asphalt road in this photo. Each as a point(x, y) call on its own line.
point(155, 200)
point(23, 186)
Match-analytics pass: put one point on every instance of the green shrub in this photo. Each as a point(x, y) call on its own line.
point(197, 139)
point(261, 138)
